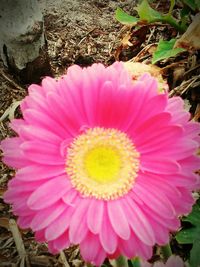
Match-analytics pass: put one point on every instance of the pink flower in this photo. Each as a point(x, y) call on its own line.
point(102, 162)
point(173, 261)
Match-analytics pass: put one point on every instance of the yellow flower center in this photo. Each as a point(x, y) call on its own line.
point(103, 160)
point(102, 163)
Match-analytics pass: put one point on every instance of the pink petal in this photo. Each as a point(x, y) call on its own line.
point(155, 200)
point(16, 124)
point(183, 180)
point(171, 224)
point(190, 164)
point(175, 103)
point(89, 95)
point(62, 242)
point(151, 84)
point(137, 97)
point(70, 197)
point(70, 123)
point(46, 216)
point(159, 165)
point(138, 222)
point(29, 132)
point(48, 193)
point(95, 215)
point(21, 187)
point(158, 102)
point(100, 258)
point(39, 236)
point(25, 221)
point(59, 225)
point(51, 248)
point(108, 237)
point(13, 155)
point(152, 124)
point(118, 219)
point(166, 132)
point(164, 140)
point(144, 251)
point(41, 119)
point(78, 226)
point(192, 129)
point(42, 152)
point(90, 248)
point(181, 117)
point(39, 172)
point(49, 84)
point(180, 150)
point(105, 105)
point(129, 247)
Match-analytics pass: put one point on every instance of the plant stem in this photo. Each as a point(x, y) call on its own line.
point(136, 262)
point(172, 4)
point(121, 262)
point(172, 21)
point(166, 251)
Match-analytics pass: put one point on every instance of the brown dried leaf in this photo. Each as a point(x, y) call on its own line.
point(197, 113)
point(4, 222)
point(63, 260)
point(136, 69)
point(126, 40)
point(2, 191)
point(190, 40)
point(40, 261)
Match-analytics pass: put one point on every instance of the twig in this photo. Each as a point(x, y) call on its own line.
point(151, 34)
point(11, 81)
point(10, 111)
point(185, 85)
point(86, 36)
point(18, 242)
point(174, 64)
point(191, 70)
point(63, 259)
point(141, 53)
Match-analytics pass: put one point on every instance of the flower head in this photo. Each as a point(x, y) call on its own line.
point(102, 162)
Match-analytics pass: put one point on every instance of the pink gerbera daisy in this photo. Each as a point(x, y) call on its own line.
point(103, 162)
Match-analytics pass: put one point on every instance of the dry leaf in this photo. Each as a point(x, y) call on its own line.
point(125, 41)
point(63, 260)
point(136, 69)
point(190, 40)
point(197, 113)
point(4, 222)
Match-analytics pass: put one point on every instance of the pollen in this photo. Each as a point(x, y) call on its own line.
point(102, 163)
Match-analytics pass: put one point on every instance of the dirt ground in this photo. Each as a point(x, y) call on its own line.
point(83, 32)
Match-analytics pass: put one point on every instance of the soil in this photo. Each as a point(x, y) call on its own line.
point(83, 32)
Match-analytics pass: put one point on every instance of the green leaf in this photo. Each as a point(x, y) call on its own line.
point(188, 236)
point(194, 5)
point(124, 18)
point(194, 216)
point(147, 13)
point(165, 50)
point(195, 254)
point(135, 262)
point(172, 4)
point(197, 2)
